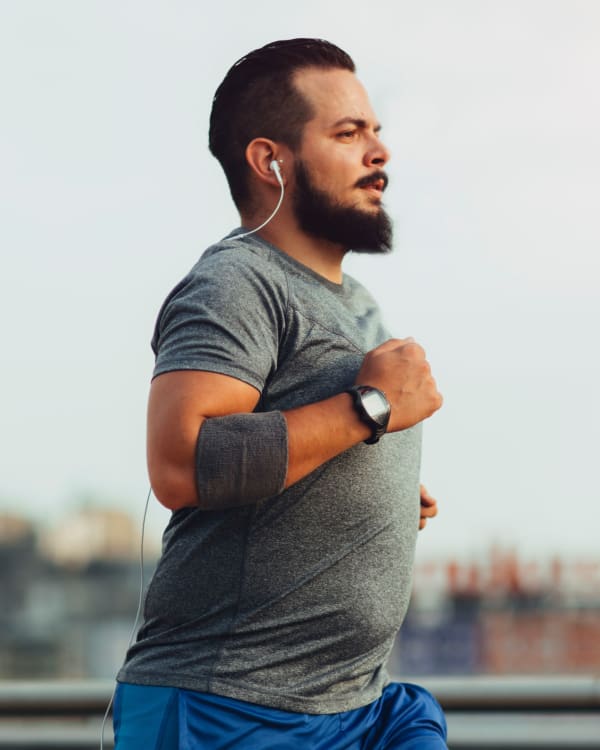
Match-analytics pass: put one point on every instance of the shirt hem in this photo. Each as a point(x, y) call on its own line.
point(233, 371)
point(266, 698)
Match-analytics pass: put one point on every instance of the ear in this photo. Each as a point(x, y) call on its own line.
point(260, 152)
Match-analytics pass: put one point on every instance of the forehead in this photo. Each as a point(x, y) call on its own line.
point(334, 94)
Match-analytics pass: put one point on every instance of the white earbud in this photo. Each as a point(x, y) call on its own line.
point(274, 167)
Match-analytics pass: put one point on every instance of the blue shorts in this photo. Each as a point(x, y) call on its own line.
point(406, 717)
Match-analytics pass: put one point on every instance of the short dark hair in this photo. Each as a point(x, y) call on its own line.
point(257, 98)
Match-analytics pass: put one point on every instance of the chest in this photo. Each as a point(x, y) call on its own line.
point(321, 351)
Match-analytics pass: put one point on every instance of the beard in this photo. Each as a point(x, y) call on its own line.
point(322, 217)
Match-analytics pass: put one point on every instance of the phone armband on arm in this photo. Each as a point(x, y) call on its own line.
point(241, 459)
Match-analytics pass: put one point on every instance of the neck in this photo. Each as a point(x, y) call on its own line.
point(321, 256)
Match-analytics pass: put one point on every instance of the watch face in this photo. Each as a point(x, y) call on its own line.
point(375, 405)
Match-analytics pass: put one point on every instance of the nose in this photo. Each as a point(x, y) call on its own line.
point(377, 155)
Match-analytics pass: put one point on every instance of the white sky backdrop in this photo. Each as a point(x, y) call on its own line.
point(108, 194)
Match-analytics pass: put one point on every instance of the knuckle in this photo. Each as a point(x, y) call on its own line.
point(414, 350)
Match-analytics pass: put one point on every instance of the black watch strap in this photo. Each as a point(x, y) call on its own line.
point(373, 408)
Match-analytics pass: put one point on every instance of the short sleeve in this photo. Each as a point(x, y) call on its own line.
point(226, 316)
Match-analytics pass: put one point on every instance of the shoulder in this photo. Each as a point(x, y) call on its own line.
point(226, 315)
point(231, 274)
point(232, 261)
point(234, 284)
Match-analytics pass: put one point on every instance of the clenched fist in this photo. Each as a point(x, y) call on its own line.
point(399, 369)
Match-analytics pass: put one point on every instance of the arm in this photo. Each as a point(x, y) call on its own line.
point(181, 401)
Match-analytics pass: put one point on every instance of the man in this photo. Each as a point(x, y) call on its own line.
point(284, 434)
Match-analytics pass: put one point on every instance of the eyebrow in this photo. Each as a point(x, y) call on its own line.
point(360, 123)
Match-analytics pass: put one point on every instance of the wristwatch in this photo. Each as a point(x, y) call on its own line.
point(373, 408)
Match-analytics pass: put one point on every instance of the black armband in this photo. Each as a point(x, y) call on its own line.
point(241, 459)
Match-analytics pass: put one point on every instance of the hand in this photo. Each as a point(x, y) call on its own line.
point(428, 507)
point(399, 368)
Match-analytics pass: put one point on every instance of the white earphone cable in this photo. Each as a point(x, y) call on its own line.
point(137, 614)
point(275, 168)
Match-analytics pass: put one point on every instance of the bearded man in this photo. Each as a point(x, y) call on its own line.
point(284, 431)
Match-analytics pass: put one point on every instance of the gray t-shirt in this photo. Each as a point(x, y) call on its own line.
point(294, 601)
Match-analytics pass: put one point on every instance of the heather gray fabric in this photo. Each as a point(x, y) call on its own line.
point(241, 458)
point(291, 602)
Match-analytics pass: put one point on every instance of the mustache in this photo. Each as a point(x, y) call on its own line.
point(373, 177)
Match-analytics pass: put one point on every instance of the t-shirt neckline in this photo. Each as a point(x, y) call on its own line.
point(298, 265)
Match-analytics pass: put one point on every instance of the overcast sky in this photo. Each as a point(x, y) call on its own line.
point(109, 194)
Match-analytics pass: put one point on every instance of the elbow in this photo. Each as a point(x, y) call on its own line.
point(173, 488)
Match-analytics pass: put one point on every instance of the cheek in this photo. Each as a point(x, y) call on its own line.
point(332, 170)
point(338, 178)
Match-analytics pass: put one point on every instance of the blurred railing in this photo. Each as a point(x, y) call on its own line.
point(487, 713)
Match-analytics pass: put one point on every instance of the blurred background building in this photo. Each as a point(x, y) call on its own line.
point(69, 594)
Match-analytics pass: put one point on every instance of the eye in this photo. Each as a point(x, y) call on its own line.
point(347, 134)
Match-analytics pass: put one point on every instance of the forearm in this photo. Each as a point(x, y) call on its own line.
point(319, 432)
